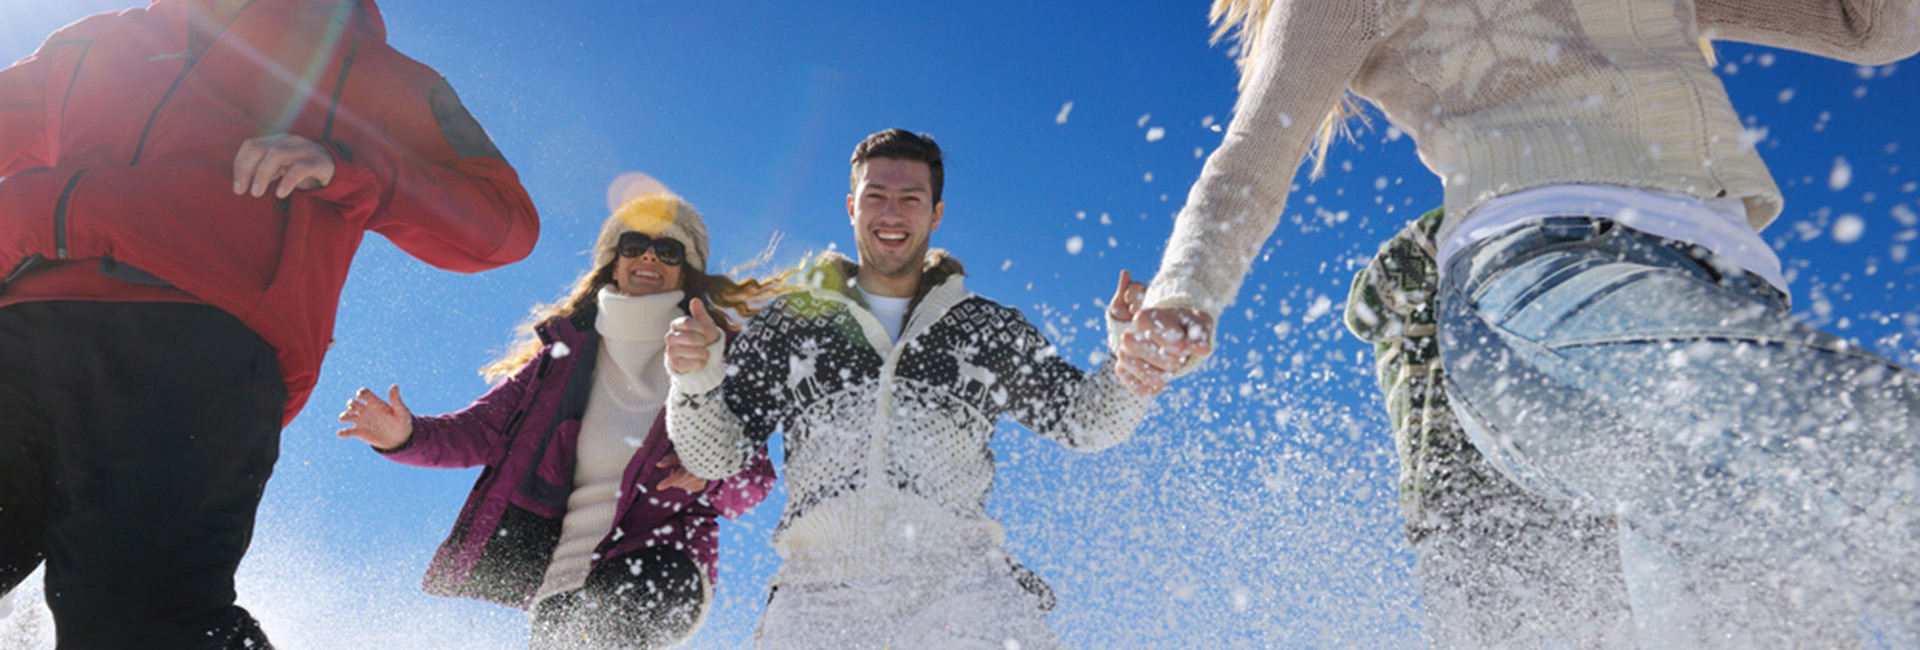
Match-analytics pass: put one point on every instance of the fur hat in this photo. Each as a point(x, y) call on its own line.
point(656, 214)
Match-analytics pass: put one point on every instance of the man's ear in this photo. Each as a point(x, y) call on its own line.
point(849, 207)
point(939, 210)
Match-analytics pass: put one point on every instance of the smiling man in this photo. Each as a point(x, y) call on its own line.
point(887, 378)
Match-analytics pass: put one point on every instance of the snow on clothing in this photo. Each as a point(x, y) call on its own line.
point(117, 144)
point(1499, 567)
point(1588, 360)
point(888, 466)
point(525, 431)
point(629, 387)
point(1750, 457)
point(650, 598)
point(974, 610)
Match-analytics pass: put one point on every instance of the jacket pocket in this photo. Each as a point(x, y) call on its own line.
point(182, 224)
point(27, 203)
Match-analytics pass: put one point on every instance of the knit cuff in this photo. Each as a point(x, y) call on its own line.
point(1115, 330)
point(705, 378)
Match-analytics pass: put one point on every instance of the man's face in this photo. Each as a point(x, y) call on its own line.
point(893, 216)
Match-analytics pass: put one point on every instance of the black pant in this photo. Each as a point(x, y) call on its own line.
point(135, 442)
point(650, 598)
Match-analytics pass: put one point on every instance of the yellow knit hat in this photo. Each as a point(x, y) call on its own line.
point(656, 214)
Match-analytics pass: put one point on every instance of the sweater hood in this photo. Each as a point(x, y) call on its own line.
point(359, 15)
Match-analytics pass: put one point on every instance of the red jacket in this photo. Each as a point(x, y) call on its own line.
point(117, 145)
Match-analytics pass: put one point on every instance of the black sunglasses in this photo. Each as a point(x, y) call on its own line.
point(666, 249)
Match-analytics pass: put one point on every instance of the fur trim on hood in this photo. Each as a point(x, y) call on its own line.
point(835, 271)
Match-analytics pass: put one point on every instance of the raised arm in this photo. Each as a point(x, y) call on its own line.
point(1867, 32)
point(467, 437)
point(721, 410)
point(1306, 54)
point(414, 165)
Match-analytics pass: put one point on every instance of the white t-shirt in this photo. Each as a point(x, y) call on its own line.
point(892, 312)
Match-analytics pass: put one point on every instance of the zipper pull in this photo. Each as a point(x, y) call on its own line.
point(182, 54)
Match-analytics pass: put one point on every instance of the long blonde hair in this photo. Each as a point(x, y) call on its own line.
point(728, 299)
point(1245, 20)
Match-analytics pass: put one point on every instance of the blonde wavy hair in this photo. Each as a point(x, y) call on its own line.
point(1246, 20)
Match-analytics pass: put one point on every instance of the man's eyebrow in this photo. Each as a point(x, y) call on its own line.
point(913, 187)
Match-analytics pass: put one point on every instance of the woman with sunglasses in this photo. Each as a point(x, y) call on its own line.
point(584, 515)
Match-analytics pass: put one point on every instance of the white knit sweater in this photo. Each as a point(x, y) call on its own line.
point(1502, 96)
point(888, 466)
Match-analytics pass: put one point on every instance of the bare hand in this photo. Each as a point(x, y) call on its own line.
point(296, 162)
point(1126, 298)
point(688, 338)
point(1158, 343)
point(384, 425)
point(679, 477)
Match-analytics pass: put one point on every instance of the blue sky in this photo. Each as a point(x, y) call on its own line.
point(1254, 510)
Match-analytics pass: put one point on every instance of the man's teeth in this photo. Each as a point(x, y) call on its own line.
point(892, 236)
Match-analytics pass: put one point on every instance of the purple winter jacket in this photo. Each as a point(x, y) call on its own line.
point(524, 432)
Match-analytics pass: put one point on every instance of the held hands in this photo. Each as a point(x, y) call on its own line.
point(679, 477)
point(384, 425)
point(688, 338)
point(1158, 342)
point(1126, 298)
point(296, 162)
point(1130, 362)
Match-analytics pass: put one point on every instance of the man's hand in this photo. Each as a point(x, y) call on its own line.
point(688, 338)
point(679, 477)
point(1158, 343)
point(295, 162)
point(384, 425)
point(1126, 298)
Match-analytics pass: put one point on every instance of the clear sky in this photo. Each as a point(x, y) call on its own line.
point(1255, 509)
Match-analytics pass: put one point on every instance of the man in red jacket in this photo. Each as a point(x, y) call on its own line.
point(182, 190)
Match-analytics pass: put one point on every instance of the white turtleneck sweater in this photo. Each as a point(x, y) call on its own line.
point(629, 388)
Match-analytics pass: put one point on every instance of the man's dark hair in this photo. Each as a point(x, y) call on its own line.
point(900, 144)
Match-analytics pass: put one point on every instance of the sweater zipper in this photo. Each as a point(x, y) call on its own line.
point(193, 60)
point(185, 70)
point(889, 371)
point(60, 216)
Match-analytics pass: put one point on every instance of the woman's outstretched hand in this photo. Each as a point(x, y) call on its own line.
point(688, 338)
point(385, 424)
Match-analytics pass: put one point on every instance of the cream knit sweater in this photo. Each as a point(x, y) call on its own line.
point(1503, 96)
point(630, 384)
